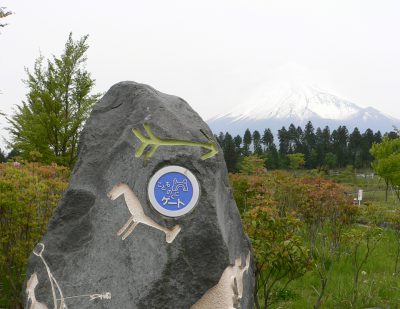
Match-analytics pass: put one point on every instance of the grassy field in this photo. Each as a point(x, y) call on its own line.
point(378, 283)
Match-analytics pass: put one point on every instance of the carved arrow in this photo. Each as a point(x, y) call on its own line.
point(156, 142)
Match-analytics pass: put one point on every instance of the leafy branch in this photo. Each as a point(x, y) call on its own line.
point(154, 142)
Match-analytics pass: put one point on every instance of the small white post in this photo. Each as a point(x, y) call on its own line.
point(360, 196)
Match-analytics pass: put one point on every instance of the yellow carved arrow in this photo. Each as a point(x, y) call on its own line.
point(156, 142)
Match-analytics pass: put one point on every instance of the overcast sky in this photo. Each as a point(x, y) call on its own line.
point(212, 53)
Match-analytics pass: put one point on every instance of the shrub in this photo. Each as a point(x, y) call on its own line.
point(28, 194)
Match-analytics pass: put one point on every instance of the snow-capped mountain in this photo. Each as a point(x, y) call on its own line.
point(296, 100)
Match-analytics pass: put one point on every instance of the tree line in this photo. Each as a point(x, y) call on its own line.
point(318, 148)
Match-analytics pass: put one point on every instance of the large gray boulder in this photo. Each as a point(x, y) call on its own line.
point(107, 245)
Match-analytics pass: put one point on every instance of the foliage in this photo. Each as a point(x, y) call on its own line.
point(28, 194)
point(310, 213)
point(264, 200)
point(252, 165)
point(387, 162)
point(367, 236)
point(330, 160)
point(395, 224)
point(3, 14)
point(58, 102)
point(2, 156)
point(279, 251)
point(322, 149)
point(351, 262)
point(325, 209)
point(230, 149)
point(257, 143)
point(247, 139)
point(296, 160)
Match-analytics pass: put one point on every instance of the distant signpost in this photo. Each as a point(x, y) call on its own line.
point(360, 196)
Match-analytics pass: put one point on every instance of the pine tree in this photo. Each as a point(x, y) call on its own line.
point(326, 139)
point(272, 158)
point(247, 142)
point(283, 137)
point(354, 148)
point(309, 144)
point(238, 144)
point(378, 137)
point(267, 139)
point(294, 136)
point(392, 135)
point(230, 153)
point(340, 139)
point(366, 144)
point(221, 139)
point(257, 143)
point(319, 147)
point(2, 156)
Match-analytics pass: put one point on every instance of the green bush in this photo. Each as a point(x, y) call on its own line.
point(28, 195)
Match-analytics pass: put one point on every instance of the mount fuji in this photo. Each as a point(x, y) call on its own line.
point(294, 99)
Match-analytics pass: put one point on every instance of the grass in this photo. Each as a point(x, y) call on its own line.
point(379, 286)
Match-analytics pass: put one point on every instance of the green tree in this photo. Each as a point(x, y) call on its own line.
point(257, 143)
point(267, 139)
point(230, 153)
point(309, 141)
point(340, 138)
point(296, 160)
point(58, 103)
point(366, 144)
point(280, 254)
point(272, 157)
point(392, 134)
point(387, 162)
point(295, 135)
point(13, 155)
point(2, 156)
point(220, 139)
point(252, 165)
point(330, 160)
point(319, 147)
point(238, 142)
point(378, 137)
point(3, 14)
point(283, 137)
point(247, 142)
point(355, 148)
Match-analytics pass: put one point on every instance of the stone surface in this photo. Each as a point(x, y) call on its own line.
point(163, 262)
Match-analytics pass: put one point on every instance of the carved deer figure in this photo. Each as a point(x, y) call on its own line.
point(228, 292)
point(138, 215)
point(30, 290)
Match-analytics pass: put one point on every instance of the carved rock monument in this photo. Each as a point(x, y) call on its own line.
point(148, 220)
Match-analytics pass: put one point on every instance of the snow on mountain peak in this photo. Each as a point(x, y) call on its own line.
point(292, 94)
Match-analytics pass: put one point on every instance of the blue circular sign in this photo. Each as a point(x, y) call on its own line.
point(173, 191)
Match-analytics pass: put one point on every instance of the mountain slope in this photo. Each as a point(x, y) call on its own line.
point(282, 102)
